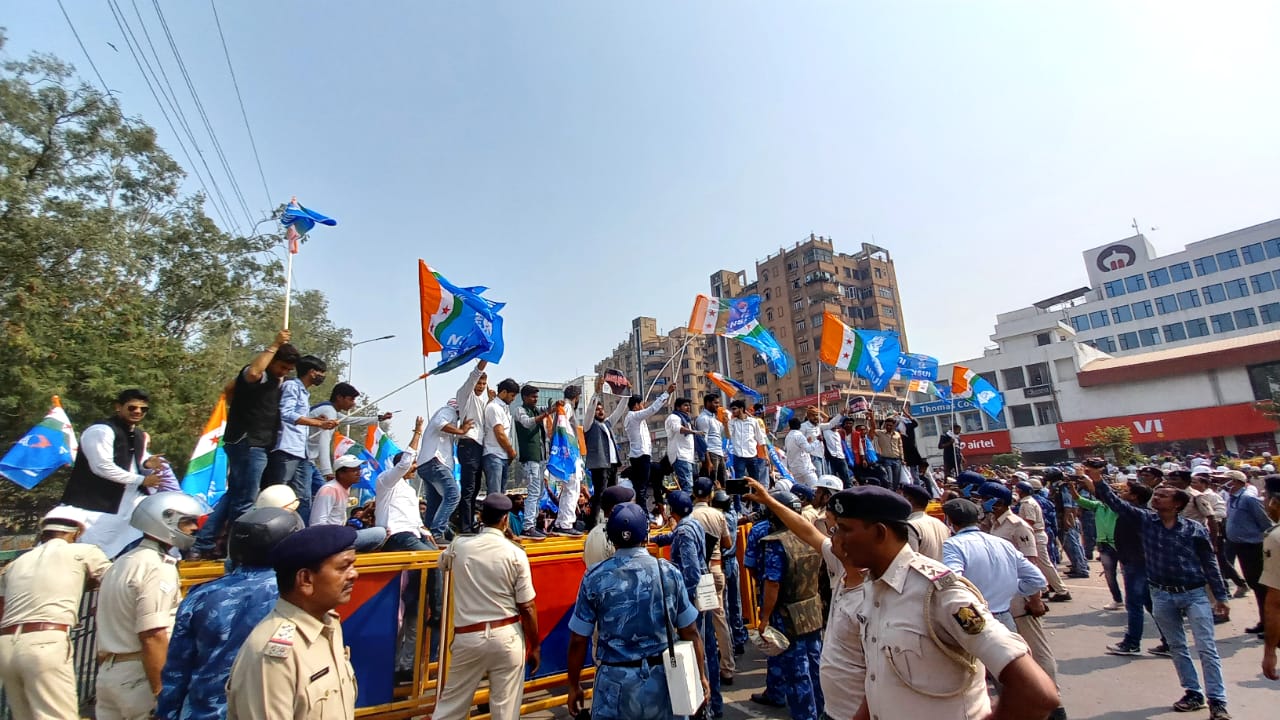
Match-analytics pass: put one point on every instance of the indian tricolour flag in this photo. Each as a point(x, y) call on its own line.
point(562, 458)
point(962, 381)
point(841, 345)
point(207, 472)
point(381, 446)
point(924, 387)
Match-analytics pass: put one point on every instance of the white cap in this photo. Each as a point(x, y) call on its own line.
point(830, 482)
point(64, 518)
point(277, 496)
point(1021, 475)
point(1268, 468)
point(1221, 469)
point(1201, 470)
point(347, 461)
point(1196, 462)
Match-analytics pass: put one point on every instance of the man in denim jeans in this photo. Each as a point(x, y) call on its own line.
point(253, 427)
point(472, 398)
point(1180, 562)
point(437, 472)
point(531, 437)
point(499, 428)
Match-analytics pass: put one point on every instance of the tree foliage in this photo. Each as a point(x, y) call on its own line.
point(110, 277)
point(1116, 441)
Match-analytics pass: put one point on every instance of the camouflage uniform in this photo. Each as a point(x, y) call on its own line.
point(689, 553)
point(795, 567)
point(753, 560)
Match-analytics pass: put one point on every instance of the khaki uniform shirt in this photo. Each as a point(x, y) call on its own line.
point(292, 666)
point(46, 583)
point(902, 660)
point(1200, 509)
point(490, 577)
point(932, 533)
point(1271, 559)
point(596, 548)
point(139, 593)
point(1030, 510)
point(1016, 530)
point(713, 523)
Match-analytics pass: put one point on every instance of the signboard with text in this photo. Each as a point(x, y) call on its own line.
point(986, 443)
point(1172, 425)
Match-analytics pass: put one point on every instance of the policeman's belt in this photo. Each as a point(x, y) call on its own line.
point(104, 658)
point(651, 660)
point(33, 627)
point(490, 624)
point(1175, 589)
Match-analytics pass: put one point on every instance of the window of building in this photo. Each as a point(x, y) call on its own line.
point(1205, 266)
point(795, 284)
point(1043, 339)
point(1166, 304)
point(1245, 318)
point(888, 311)
point(1115, 288)
point(1038, 374)
point(1159, 277)
point(1265, 379)
point(816, 319)
point(1270, 313)
point(971, 421)
point(1149, 336)
point(1128, 340)
point(1105, 344)
point(1188, 299)
point(1237, 288)
point(1228, 259)
point(1222, 323)
point(806, 368)
point(687, 380)
point(1142, 310)
point(769, 314)
point(1135, 283)
point(1272, 247)
point(1023, 415)
point(1180, 271)
point(800, 325)
point(879, 274)
point(928, 426)
point(808, 389)
point(756, 360)
point(1079, 323)
point(1174, 332)
point(1047, 413)
point(764, 276)
point(1098, 319)
point(1262, 283)
point(1253, 253)
point(990, 376)
point(1121, 314)
point(1013, 378)
point(817, 255)
point(885, 292)
point(1198, 327)
point(853, 311)
point(767, 294)
point(797, 305)
point(802, 346)
point(761, 378)
point(1213, 294)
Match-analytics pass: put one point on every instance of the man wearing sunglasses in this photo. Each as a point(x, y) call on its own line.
point(112, 472)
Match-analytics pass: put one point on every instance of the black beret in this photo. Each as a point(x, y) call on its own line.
point(496, 502)
point(961, 512)
point(870, 503)
point(616, 495)
point(917, 493)
point(311, 546)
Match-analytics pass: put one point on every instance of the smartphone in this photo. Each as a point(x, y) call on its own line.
point(736, 486)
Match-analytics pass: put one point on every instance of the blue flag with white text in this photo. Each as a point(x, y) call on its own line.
point(878, 361)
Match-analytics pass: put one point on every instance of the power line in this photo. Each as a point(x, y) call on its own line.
point(84, 50)
point(204, 117)
point(213, 199)
point(227, 54)
point(170, 96)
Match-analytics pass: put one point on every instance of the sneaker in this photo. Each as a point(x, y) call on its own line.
point(1122, 649)
point(1113, 606)
point(565, 532)
point(1218, 711)
point(1162, 650)
point(533, 534)
point(1241, 591)
point(1190, 702)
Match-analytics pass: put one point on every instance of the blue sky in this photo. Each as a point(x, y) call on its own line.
point(591, 162)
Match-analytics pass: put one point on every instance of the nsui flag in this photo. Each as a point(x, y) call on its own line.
point(45, 448)
point(207, 472)
point(965, 383)
point(870, 354)
point(562, 459)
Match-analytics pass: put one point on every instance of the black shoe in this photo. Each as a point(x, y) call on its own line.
point(402, 677)
point(1190, 702)
point(1255, 630)
point(726, 681)
point(1220, 619)
point(1060, 597)
point(1218, 711)
point(565, 532)
point(739, 650)
point(1162, 650)
point(1058, 714)
point(761, 699)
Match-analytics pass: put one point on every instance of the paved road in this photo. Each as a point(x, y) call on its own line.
point(1096, 686)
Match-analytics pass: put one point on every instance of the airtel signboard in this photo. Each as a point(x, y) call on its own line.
point(988, 443)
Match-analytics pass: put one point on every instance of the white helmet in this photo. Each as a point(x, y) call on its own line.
point(160, 515)
point(277, 496)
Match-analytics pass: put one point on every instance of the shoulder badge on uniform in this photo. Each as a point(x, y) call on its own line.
point(281, 643)
point(970, 620)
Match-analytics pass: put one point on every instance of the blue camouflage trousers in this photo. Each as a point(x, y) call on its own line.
point(711, 649)
point(630, 694)
point(732, 592)
point(794, 674)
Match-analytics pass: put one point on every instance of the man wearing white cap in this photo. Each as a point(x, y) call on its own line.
point(330, 504)
point(39, 599)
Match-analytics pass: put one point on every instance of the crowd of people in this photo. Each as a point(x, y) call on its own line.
point(868, 606)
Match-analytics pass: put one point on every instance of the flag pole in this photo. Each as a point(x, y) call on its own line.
point(674, 355)
point(288, 283)
point(375, 401)
point(426, 394)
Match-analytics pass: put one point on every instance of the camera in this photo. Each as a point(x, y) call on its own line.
point(736, 486)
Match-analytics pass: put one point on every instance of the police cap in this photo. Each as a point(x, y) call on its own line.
point(615, 496)
point(870, 503)
point(494, 507)
point(628, 526)
point(916, 494)
point(703, 487)
point(721, 501)
point(802, 491)
point(311, 546)
point(680, 502)
point(995, 490)
point(969, 477)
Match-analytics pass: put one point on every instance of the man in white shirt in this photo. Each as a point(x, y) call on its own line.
point(329, 506)
point(640, 443)
point(708, 423)
point(472, 398)
point(499, 436)
point(436, 472)
point(800, 451)
point(746, 436)
point(812, 428)
point(320, 442)
point(680, 446)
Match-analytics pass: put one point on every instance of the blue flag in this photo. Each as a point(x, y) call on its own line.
point(301, 219)
point(878, 361)
point(458, 322)
point(777, 464)
point(917, 367)
point(45, 448)
point(987, 397)
point(782, 417)
point(943, 390)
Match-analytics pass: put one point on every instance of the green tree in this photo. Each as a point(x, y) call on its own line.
point(1116, 441)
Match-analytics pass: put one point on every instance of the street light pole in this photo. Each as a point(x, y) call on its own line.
point(351, 353)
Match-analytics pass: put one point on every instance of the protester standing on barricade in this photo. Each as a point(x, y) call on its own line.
point(40, 593)
point(111, 473)
point(680, 443)
point(952, 447)
point(294, 663)
point(253, 427)
point(531, 447)
point(746, 439)
point(329, 507)
point(318, 467)
point(499, 436)
point(719, 538)
point(602, 457)
point(633, 603)
point(495, 621)
point(708, 423)
point(472, 399)
point(438, 483)
point(284, 461)
point(812, 428)
point(640, 446)
point(888, 444)
point(216, 617)
point(911, 457)
point(800, 452)
point(571, 488)
point(136, 607)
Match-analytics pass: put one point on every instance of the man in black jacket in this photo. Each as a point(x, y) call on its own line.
point(602, 457)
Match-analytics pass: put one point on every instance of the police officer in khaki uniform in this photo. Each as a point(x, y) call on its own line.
point(293, 664)
point(39, 600)
point(495, 622)
point(137, 605)
point(926, 634)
